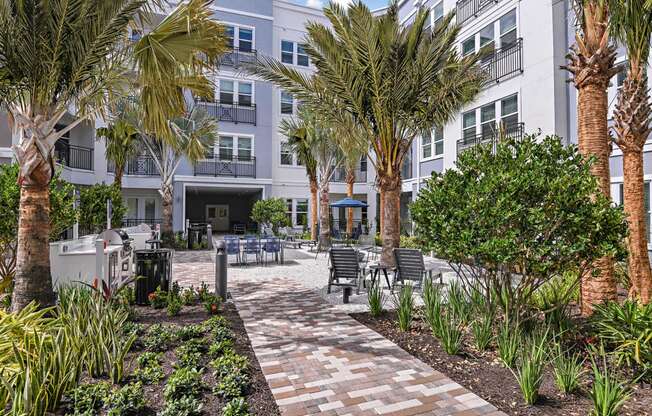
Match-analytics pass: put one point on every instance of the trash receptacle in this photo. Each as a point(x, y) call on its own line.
point(154, 269)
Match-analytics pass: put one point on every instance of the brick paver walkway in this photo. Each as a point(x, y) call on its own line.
point(319, 361)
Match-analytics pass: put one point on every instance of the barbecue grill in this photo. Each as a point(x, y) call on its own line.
point(123, 258)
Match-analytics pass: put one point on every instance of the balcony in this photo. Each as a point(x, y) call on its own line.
point(514, 131)
point(231, 112)
point(141, 165)
point(235, 167)
point(467, 9)
point(504, 62)
point(237, 57)
point(76, 157)
point(340, 175)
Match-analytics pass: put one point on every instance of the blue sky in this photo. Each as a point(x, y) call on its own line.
point(373, 4)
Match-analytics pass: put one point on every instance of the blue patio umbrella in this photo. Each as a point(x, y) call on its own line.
point(348, 203)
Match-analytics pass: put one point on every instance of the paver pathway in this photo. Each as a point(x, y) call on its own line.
point(319, 361)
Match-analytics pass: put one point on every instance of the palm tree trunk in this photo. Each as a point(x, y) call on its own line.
point(391, 216)
point(324, 217)
point(381, 212)
point(33, 281)
point(117, 180)
point(167, 200)
point(350, 180)
point(640, 275)
point(593, 138)
point(313, 209)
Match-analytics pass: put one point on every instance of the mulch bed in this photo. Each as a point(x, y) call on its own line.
point(484, 375)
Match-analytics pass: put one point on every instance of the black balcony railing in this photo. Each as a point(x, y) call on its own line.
point(76, 157)
point(234, 113)
point(467, 9)
point(504, 62)
point(133, 222)
point(237, 57)
point(340, 175)
point(513, 131)
point(141, 165)
point(235, 167)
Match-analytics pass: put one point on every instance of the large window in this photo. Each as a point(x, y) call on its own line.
point(468, 125)
point(287, 52)
point(240, 37)
point(509, 112)
point(491, 115)
point(432, 144)
point(468, 46)
point(245, 93)
point(508, 29)
point(287, 103)
point(288, 209)
point(437, 13)
point(302, 212)
point(287, 157)
point(229, 34)
point(488, 120)
point(236, 92)
point(226, 91)
point(132, 207)
point(150, 208)
point(230, 147)
point(302, 55)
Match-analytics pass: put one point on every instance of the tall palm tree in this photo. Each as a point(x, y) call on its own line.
point(301, 147)
point(58, 57)
point(631, 24)
point(353, 145)
point(395, 81)
point(190, 138)
point(122, 144)
point(591, 64)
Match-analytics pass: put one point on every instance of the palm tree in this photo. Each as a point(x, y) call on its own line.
point(591, 63)
point(631, 24)
point(394, 81)
point(191, 136)
point(301, 147)
point(59, 57)
point(353, 145)
point(311, 132)
point(122, 144)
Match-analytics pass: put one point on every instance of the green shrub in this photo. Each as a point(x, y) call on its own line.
point(271, 211)
point(183, 382)
point(627, 330)
point(159, 338)
point(529, 373)
point(89, 398)
point(408, 241)
point(187, 332)
point(215, 322)
point(158, 299)
point(212, 304)
point(232, 385)
point(148, 359)
point(482, 330)
point(236, 407)
point(499, 202)
point(508, 340)
point(185, 406)
point(451, 332)
point(189, 353)
point(230, 363)
point(127, 401)
point(150, 374)
point(567, 369)
point(188, 296)
point(220, 348)
point(607, 393)
point(376, 298)
point(221, 333)
point(433, 301)
point(404, 303)
point(174, 306)
point(92, 206)
point(553, 299)
point(458, 303)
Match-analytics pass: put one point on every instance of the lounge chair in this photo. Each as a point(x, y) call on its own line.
point(345, 269)
point(410, 267)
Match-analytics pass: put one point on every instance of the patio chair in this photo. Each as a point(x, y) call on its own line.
point(232, 243)
point(345, 267)
point(239, 228)
point(251, 246)
point(272, 246)
point(409, 267)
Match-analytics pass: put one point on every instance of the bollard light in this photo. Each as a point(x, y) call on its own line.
point(221, 265)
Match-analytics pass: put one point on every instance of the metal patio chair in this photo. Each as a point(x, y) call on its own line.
point(345, 269)
point(410, 267)
point(232, 243)
point(272, 246)
point(251, 246)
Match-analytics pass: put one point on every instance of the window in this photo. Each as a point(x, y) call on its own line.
point(287, 103)
point(363, 164)
point(468, 125)
point(468, 46)
point(132, 207)
point(287, 52)
point(426, 146)
point(488, 120)
point(150, 208)
point(438, 140)
point(302, 55)
point(286, 154)
point(508, 29)
point(135, 35)
point(226, 91)
point(437, 13)
point(229, 33)
point(225, 147)
point(509, 113)
point(245, 93)
point(245, 39)
point(487, 40)
point(302, 212)
point(244, 148)
point(432, 144)
point(288, 210)
point(621, 75)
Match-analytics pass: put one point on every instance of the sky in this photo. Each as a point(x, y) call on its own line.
point(373, 4)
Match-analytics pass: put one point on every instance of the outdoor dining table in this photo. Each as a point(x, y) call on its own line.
point(376, 268)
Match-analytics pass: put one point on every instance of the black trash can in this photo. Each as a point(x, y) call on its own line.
point(154, 269)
